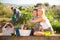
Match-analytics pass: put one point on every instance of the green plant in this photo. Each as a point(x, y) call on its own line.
point(56, 27)
point(31, 26)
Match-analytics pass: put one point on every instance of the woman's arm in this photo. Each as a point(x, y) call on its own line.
point(36, 20)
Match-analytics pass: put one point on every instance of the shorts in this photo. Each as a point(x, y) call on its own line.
point(48, 29)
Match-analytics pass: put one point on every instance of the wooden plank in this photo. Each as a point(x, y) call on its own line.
point(31, 38)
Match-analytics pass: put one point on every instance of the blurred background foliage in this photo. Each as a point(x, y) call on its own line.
point(5, 11)
point(52, 13)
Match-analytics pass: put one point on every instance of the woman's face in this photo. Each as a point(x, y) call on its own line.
point(40, 12)
point(34, 13)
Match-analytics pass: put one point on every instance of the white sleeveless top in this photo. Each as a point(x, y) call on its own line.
point(46, 24)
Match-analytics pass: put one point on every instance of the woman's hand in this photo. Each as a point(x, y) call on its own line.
point(31, 21)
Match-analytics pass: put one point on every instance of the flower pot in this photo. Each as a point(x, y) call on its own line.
point(25, 32)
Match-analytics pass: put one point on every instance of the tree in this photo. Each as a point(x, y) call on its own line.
point(20, 7)
point(53, 6)
point(46, 4)
point(5, 10)
point(38, 4)
point(57, 14)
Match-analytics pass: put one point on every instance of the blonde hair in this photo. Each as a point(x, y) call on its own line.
point(43, 11)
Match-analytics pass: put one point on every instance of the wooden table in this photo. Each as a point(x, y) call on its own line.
point(53, 37)
point(30, 38)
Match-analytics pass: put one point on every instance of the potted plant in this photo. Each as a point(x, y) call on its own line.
point(24, 20)
point(24, 26)
point(24, 31)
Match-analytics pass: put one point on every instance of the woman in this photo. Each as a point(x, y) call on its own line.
point(16, 15)
point(45, 22)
